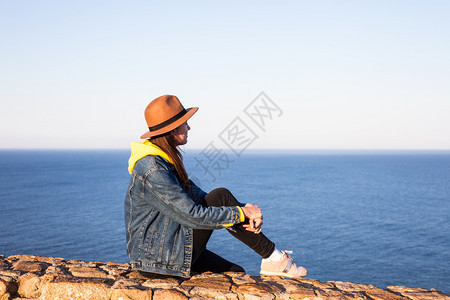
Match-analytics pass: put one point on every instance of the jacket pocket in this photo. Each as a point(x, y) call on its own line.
point(174, 249)
point(150, 242)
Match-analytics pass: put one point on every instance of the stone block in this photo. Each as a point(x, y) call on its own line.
point(131, 293)
point(8, 286)
point(243, 279)
point(212, 294)
point(37, 258)
point(50, 260)
point(22, 257)
point(4, 264)
point(137, 275)
point(169, 294)
point(158, 283)
point(259, 288)
point(400, 289)
point(84, 271)
point(350, 286)
point(68, 288)
point(330, 294)
point(418, 293)
point(315, 282)
point(30, 285)
point(257, 297)
point(115, 269)
point(76, 262)
point(55, 271)
point(380, 294)
point(216, 282)
point(286, 285)
point(29, 266)
point(10, 273)
point(302, 293)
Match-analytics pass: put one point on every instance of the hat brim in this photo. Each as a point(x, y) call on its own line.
point(190, 112)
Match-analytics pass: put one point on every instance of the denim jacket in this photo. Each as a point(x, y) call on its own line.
point(160, 218)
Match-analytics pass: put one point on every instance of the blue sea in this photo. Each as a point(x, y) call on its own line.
point(381, 218)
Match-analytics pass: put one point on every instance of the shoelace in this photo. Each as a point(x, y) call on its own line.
point(290, 263)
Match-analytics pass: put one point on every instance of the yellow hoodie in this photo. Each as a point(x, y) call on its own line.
point(145, 148)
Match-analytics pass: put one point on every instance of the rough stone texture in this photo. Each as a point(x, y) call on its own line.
point(131, 293)
point(37, 277)
point(8, 287)
point(417, 293)
point(30, 285)
point(76, 288)
point(86, 271)
point(169, 294)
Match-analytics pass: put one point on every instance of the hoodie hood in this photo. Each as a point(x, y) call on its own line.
point(145, 148)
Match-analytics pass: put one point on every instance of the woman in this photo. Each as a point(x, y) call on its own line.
point(169, 219)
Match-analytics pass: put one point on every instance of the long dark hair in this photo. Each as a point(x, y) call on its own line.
point(168, 144)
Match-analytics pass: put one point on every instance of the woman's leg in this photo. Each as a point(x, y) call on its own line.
point(209, 261)
point(282, 266)
point(257, 242)
point(204, 260)
point(200, 239)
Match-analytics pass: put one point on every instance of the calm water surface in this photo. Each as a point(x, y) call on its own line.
point(382, 219)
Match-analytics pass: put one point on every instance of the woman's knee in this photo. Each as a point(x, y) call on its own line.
point(221, 191)
point(221, 197)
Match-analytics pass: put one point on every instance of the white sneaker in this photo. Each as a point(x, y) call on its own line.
point(284, 267)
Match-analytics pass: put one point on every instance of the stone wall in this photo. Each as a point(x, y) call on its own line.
point(38, 277)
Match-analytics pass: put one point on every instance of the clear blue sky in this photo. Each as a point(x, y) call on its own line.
point(346, 74)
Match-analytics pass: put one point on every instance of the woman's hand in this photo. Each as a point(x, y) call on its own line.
point(252, 211)
point(257, 224)
point(254, 214)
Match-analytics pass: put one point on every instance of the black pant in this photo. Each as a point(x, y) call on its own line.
point(205, 260)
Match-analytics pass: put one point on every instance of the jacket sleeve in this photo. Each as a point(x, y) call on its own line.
point(165, 194)
point(196, 193)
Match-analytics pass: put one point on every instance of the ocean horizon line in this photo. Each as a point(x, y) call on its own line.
point(287, 151)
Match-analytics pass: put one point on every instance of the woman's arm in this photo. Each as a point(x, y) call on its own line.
point(196, 193)
point(163, 192)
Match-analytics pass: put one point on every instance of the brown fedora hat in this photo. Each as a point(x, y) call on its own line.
point(164, 114)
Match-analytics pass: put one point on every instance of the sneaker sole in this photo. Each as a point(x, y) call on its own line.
point(268, 273)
